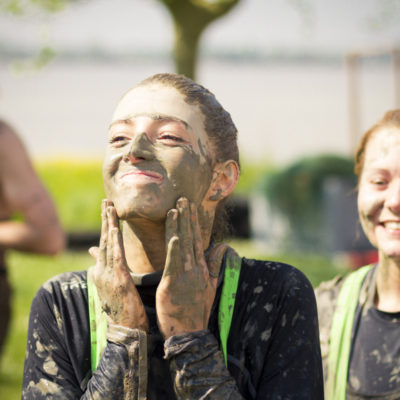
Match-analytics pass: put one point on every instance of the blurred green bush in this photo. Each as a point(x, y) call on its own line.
point(251, 174)
point(296, 193)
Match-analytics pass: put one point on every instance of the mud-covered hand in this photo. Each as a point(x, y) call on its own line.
point(115, 287)
point(187, 289)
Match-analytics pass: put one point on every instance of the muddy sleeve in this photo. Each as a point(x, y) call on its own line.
point(122, 370)
point(198, 368)
point(57, 349)
point(279, 332)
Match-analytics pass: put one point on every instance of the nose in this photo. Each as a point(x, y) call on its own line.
point(139, 149)
point(393, 199)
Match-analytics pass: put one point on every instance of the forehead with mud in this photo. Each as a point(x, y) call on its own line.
point(218, 123)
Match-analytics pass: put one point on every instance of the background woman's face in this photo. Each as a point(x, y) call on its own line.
point(379, 192)
point(158, 151)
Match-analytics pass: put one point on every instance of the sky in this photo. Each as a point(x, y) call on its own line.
point(255, 25)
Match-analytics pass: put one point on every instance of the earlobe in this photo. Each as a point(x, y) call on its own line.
point(224, 180)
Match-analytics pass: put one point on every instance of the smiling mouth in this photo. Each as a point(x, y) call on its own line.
point(391, 225)
point(140, 174)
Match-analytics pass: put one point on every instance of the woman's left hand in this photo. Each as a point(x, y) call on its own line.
point(187, 289)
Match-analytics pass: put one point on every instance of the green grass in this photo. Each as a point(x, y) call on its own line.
point(29, 272)
point(77, 190)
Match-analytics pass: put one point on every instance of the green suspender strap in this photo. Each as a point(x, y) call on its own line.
point(340, 335)
point(98, 318)
point(233, 264)
point(98, 322)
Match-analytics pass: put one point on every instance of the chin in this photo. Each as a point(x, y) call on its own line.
point(390, 254)
point(137, 212)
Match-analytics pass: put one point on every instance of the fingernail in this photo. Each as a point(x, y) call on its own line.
point(182, 201)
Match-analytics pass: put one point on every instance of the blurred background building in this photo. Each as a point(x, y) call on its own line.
point(300, 77)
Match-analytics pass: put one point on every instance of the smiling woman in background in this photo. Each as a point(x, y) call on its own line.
point(167, 311)
point(360, 315)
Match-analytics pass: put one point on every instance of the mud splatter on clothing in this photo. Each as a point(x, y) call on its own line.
point(374, 365)
point(273, 346)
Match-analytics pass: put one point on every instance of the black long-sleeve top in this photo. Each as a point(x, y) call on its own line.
point(273, 345)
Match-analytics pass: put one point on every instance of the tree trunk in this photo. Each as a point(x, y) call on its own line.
point(190, 19)
point(186, 43)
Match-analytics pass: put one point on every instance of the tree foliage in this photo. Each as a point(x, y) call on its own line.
point(18, 7)
point(190, 18)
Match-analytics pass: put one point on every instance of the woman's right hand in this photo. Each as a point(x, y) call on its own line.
point(115, 287)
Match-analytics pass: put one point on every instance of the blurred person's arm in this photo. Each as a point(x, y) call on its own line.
point(22, 192)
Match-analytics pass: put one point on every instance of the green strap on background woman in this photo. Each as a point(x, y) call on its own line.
point(340, 335)
point(98, 318)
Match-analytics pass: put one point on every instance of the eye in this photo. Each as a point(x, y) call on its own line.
point(378, 181)
point(118, 141)
point(170, 137)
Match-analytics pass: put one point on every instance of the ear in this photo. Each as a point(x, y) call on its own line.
point(225, 177)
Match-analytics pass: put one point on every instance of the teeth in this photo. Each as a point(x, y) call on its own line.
point(392, 225)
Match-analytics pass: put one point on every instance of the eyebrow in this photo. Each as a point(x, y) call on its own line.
point(155, 117)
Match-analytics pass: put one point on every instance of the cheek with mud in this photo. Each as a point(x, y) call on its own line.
point(368, 214)
point(368, 210)
point(192, 177)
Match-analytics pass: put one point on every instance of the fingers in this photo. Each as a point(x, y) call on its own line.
point(173, 259)
point(94, 252)
point(172, 262)
point(185, 233)
point(104, 234)
point(109, 220)
point(112, 225)
point(118, 250)
point(110, 244)
point(184, 240)
point(171, 226)
point(179, 239)
point(197, 237)
point(113, 221)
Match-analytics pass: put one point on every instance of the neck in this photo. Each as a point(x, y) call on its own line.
point(388, 284)
point(144, 246)
point(144, 243)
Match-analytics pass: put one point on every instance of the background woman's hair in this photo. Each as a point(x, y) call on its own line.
point(219, 127)
point(391, 119)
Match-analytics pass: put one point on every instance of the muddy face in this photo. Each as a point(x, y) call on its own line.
point(158, 151)
point(379, 192)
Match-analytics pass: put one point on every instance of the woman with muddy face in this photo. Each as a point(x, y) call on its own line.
point(169, 311)
point(163, 182)
point(370, 349)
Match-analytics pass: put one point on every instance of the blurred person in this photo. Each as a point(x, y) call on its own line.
point(22, 192)
point(359, 315)
point(158, 317)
